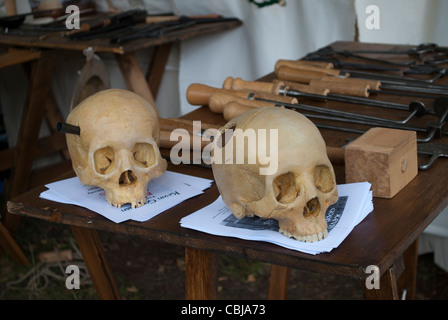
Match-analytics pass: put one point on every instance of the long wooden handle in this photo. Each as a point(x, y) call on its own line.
point(320, 80)
point(233, 109)
point(188, 122)
point(11, 8)
point(185, 141)
point(373, 84)
point(199, 94)
point(89, 26)
point(298, 63)
point(304, 87)
point(342, 88)
point(336, 155)
point(171, 124)
point(219, 99)
point(257, 86)
point(300, 75)
point(158, 19)
point(285, 73)
point(305, 67)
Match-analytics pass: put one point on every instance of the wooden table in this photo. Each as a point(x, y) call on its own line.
point(386, 238)
point(47, 47)
point(124, 53)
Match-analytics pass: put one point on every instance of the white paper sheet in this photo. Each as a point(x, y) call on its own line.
point(163, 193)
point(355, 203)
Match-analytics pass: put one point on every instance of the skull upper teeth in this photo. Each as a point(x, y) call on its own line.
point(309, 238)
point(116, 205)
point(134, 205)
point(137, 204)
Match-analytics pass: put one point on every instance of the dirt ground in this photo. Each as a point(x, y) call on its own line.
point(244, 279)
point(149, 270)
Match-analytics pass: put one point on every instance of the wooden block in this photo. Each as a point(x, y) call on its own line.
point(387, 158)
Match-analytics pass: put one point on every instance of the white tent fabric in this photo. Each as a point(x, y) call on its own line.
point(267, 34)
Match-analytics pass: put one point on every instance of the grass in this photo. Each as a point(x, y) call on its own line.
point(41, 280)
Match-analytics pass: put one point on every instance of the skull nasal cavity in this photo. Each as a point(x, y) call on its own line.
point(312, 208)
point(127, 178)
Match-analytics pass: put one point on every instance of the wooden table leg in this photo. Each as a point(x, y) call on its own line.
point(133, 75)
point(157, 66)
point(33, 112)
point(95, 260)
point(32, 116)
point(11, 247)
point(278, 282)
point(408, 279)
point(388, 289)
point(400, 278)
point(201, 276)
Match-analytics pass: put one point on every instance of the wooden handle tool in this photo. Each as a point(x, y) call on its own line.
point(342, 88)
point(303, 87)
point(257, 86)
point(297, 75)
point(230, 111)
point(11, 8)
point(304, 75)
point(219, 99)
point(199, 94)
point(158, 19)
point(373, 84)
point(233, 109)
point(305, 67)
point(89, 26)
point(185, 141)
point(299, 63)
point(171, 124)
point(339, 85)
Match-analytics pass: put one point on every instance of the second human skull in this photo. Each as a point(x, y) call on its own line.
point(303, 186)
point(117, 147)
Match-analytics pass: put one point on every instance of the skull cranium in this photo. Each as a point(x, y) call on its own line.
point(117, 148)
point(298, 193)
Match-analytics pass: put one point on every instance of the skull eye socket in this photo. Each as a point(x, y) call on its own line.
point(285, 188)
point(144, 154)
point(323, 179)
point(104, 160)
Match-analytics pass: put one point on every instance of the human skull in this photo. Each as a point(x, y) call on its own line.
point(117, 147)
point(298, 193)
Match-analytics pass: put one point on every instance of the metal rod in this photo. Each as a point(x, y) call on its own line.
point(397, 80)
point(417, 108)
point(368, 123)
point(440, 106)
point(68, 128)
point(413, 88)
point(441, 109)
point(356, 100)
point(404, 93)
point(343, 114)
point(431, 131)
